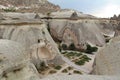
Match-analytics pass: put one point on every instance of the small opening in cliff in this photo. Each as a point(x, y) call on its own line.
point(38, 40)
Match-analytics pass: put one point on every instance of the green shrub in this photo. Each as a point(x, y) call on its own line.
point(78, 54)
point(90, 49)
point(77, 72)
point(70, 54)
point(72, 46)
point(70, 68)
point(48, 14)
point(64, 46)
point(86, 58)
point(65, 71)
point(52, 71)
point(10, 9)
point(64, 52)
point(58, 67)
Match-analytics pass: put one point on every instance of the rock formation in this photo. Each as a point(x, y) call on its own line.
point(42, 6)
point(14, 60)
point(34, 37)
point(27, 42)
point(79, 30)
point(107, 60)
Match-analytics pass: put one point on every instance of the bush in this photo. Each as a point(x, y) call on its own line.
point(90, 49)
point(10, 9)
point(78, 54)
point(48, 27)
point(86, 58)
point(58, 67)
point(77, 72)
point(80, 62)
point(65, 71)
point(64, 52)
point(64, 46)
point(70, 68)
point(72, 46)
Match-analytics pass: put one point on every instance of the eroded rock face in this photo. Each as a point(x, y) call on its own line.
point(35, 38)
point(107, 60)
point(42, 6)
point(81, 32)
point(15, 62)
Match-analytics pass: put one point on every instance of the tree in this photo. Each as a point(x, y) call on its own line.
point(90, 49)
point(72, 46)
point(64, 46)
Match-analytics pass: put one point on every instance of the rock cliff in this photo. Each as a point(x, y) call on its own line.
point(42, 6)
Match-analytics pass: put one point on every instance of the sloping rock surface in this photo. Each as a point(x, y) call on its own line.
point(107, 60)
point(81, 77)
point(15, 62)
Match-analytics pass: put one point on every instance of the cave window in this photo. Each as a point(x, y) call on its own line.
point(38, 40)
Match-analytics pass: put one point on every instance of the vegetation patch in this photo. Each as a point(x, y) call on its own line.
point(80, 62)
point(70, 68)
point(58, 67)
point(65, 71)
point(52, 71)
point(10, 9)
point(77, 72)
point(90, 49)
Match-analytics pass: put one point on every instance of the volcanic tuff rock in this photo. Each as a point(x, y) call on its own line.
point(81, 77)
point(42, 6)
point(70, 14)
point(14, 60)
point(70, 26)
point(33, 35)
point(107, 59)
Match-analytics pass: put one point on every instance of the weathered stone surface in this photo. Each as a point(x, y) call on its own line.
point(81, 77)
point(69, 14)
point(107, 60)
point(42, 6)
point(15, 62)
point(81, 32)
point(21, 16)
point(18, 16)
point(35, 38)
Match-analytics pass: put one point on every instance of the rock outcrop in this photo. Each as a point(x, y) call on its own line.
point(33, 35)
point(81, 77)
point(81, 32)
point(33, 43)
point(107, 60)
point(15, 62)
point(42, 6)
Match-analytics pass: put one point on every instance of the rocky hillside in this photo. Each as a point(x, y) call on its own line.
point(42, 6)
point(29, 52)
point(72, 27)
point(115, 17)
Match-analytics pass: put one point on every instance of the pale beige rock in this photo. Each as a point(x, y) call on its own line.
point(35, 38)
point(80, 77)
point(107, 59)
point(15, 62)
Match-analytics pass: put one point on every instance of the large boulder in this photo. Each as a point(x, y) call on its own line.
point(15, 62)
point(34, 37)
point(69, 14)
point(107, 60)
